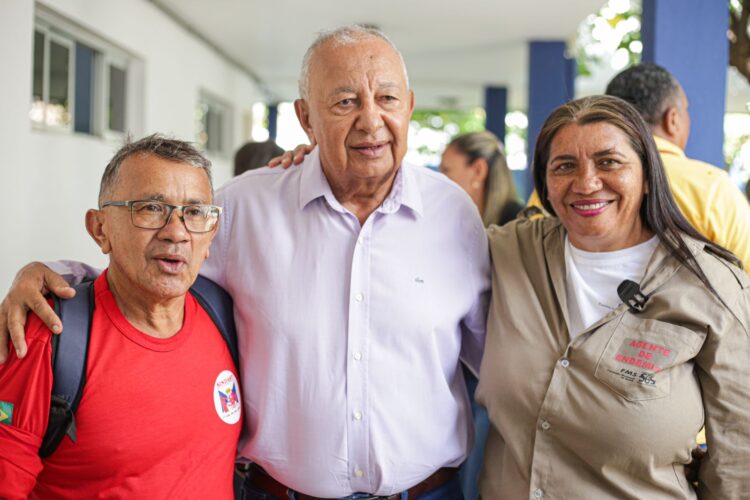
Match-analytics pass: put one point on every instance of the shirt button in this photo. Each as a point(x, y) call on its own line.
point(357, 415)
point(357, 356)
point(565, 363)
point(538, 493)
point(359, 297)
point(359, 473)
point(545, 425)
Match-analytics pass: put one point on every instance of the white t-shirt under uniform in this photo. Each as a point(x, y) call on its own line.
point(593, 278)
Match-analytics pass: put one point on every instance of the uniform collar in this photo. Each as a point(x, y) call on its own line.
point(660, 268)
point(554, 256)
point(666, 147)
point(313, 185)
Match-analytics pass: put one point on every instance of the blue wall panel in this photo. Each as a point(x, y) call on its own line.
point(689, 38)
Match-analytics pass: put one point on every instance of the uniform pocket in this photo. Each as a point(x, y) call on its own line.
point(641, 354)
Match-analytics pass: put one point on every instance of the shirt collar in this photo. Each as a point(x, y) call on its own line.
point(405, 191)
point(313, 185)
point(666, 147)
point(313, 182)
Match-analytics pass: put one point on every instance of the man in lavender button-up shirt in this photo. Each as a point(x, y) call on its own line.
point(359, 281)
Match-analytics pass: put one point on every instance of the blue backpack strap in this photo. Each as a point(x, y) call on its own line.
point(218, 304)
point(69, 361)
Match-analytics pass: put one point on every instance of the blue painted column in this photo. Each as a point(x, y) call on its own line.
point(495, 108)
point(273, 119)
point(689, 38)
point(551, 83)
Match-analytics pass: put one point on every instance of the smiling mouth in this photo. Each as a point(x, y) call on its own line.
point(590, 208)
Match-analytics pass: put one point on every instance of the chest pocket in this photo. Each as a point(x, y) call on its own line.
point(643, 355)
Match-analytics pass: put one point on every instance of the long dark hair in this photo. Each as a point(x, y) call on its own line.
point(658, 212)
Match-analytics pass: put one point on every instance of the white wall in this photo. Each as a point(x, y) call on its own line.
point(47, 179)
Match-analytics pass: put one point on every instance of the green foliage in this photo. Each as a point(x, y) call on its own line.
point(591, 47)
point(732, 148)
point(452, 121)
point(449, 122)
point(735, 6)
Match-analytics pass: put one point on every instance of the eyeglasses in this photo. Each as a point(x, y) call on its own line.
point(151, 214)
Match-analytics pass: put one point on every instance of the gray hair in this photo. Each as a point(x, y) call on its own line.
point(156, 144)
point(345, 35)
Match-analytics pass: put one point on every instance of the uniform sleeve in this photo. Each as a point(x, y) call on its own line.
point(728, 220)
point(25, 389)
point(724, 375)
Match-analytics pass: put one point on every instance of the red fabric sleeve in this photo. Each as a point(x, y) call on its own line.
point(25, 389)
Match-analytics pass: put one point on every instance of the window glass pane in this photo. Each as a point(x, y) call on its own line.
point(213, 125)
point(58, 107)
point(117, 99)
point(37, 87)
point(84, 89)
point(214, 120)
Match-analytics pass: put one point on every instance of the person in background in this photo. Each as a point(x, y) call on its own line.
point(705, 193)
point(476, 162)
point(616, 330)
point(255, 155)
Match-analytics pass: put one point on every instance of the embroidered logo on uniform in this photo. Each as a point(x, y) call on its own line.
point(644, 360)
point(227, 397)
point(6, 413)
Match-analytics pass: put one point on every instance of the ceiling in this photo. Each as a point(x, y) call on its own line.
point(452, 49)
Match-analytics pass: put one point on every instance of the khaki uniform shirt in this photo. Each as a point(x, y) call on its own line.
point(615, 412)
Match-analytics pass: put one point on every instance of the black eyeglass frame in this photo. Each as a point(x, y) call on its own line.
point(129, 204)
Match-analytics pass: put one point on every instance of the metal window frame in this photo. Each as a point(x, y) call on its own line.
point(54, 26)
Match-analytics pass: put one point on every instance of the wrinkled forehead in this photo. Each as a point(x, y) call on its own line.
point(148, 176)
point(336, 63)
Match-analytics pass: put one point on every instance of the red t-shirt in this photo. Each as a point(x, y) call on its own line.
point(158, 418)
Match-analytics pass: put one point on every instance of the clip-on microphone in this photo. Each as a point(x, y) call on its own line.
point(630, 293)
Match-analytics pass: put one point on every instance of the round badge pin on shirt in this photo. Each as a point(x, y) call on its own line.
point(227, 397)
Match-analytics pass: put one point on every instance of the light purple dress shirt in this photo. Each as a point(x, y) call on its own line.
point(349, 334)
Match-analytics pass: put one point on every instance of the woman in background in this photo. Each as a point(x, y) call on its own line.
point(476, 162)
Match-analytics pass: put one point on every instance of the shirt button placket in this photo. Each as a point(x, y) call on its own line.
point(357, 432)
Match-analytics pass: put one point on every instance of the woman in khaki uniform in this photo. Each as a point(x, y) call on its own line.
point(588, 397)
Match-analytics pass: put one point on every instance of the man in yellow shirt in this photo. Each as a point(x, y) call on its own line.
point(704, 193)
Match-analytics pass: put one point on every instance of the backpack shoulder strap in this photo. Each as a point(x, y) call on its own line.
point(69, 361)
point(218, 304)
